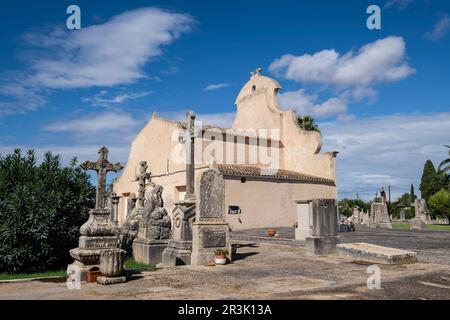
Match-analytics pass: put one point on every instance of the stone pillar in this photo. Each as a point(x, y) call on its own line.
point(210, 231)
point(324, 233)
point(379, 216)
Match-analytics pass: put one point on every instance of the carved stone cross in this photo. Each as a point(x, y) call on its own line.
point(142, 177)
point(102, 167)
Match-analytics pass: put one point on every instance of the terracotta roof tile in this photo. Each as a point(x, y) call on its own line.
point(280, 174)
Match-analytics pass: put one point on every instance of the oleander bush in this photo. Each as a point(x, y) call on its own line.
point(42, 207)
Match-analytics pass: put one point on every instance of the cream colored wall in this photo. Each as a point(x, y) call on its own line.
point(269, 204)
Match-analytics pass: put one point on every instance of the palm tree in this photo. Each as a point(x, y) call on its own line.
point(307, 123)
point(445, 165)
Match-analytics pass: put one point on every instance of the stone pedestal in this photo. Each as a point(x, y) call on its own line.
point(111, 266)
point(379, 216)
point(97, 235)
point(177, 253)
point(321, 245)
point(148, 251)
point(179, 248)
point(417, 224)
point(324, 236)
point(206, 238)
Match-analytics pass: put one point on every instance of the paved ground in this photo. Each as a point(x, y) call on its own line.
point(265, 271)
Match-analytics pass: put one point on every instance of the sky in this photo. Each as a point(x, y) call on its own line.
point(381, 97)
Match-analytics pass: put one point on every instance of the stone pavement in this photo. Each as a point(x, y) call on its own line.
point(266, 271)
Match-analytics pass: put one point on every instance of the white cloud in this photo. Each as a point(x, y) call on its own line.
point(212, 87)
point(399, 4)
point(101, 99)
point(376, 62)
point(113, 128)
point(351, 76)
point(108, 54)
point(378, 151)
point(305, 104)
point(440, 30)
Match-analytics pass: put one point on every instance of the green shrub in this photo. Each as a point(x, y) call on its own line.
point(439, 204)
point(41, 210)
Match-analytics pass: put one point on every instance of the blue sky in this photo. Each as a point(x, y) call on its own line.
point(381, 97)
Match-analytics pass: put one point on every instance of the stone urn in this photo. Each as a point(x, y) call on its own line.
point(111, 262)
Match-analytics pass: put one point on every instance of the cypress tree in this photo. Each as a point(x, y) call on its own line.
point(430, 182)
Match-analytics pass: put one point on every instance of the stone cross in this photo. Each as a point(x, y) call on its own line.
point(102, 166)
point(189, 138)
point(142, 177)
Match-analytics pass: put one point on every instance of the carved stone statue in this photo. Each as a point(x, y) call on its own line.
point(155, 223)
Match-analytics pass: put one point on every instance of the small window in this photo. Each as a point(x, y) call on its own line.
point(253, 88)
point(234, 210)
point(243, 180)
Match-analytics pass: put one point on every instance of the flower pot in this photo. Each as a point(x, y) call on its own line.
point(220, 260)
point(271, 232)
point(92, 275)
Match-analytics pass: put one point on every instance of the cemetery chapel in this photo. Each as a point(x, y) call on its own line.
point(271, 167)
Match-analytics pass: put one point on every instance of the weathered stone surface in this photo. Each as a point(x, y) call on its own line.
point(321, 245)
point(103, 242)
point(324, 232)
point(417, 224)
point(210, 231)
point(155, 223)
point(214, 238)
point(376, 254)
point(149, 251)
point(111, 280)
point(98, 224)
point(178, 251)
point(421, 210)
point(102, 167)
point(379, 216)
point(212, 195)
point(111, 262)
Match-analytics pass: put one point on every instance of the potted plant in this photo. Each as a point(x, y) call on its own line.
point(221, 256)
point(271, 232)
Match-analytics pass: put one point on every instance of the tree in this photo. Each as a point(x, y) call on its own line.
point(431, 181)
point(413, 196)
point(307, 123)
point(439, 204)
point(41, 210)
point(445, 165)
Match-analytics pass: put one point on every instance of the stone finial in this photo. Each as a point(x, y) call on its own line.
point(257, 72)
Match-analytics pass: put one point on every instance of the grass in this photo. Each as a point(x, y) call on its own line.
point(130, 264)
point(46, 274)
point(431, 227)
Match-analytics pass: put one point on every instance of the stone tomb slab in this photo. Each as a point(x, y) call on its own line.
point(362, 251)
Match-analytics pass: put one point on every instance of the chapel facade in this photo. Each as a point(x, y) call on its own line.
point(271, 167)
